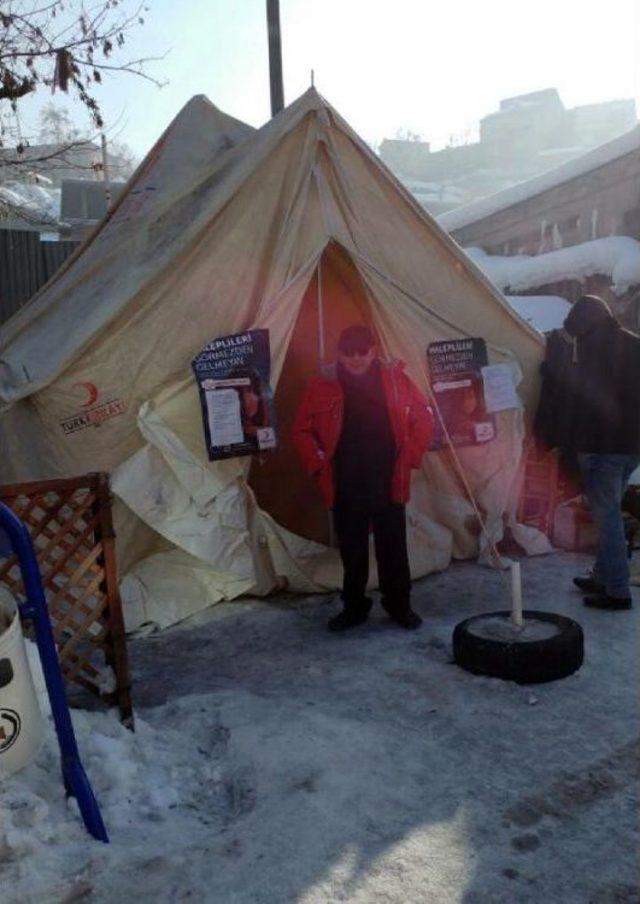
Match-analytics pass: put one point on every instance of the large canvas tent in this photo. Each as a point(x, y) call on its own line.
point(296, 228)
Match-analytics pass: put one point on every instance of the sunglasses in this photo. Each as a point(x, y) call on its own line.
point(352, 351)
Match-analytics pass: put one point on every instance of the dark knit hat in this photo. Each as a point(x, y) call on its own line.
point(356, 338)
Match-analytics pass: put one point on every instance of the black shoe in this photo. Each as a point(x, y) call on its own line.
point(589, 585)
point(602, 601)
point(350, 617)
point(409, 620)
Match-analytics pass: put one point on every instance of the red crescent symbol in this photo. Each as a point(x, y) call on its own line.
point(92, 393)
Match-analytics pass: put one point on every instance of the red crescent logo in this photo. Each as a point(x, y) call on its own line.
point(92, 393)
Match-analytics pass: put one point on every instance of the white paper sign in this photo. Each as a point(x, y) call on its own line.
point(499, 388)
point(484, 431)
point(225, 422)
point(451, 384)
point(266, 437)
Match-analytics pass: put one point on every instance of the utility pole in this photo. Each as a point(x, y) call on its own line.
point(275, 56)
point(105, 171)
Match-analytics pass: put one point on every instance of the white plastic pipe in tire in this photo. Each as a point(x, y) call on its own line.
point(516, 595)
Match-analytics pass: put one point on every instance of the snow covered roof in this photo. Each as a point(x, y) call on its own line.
point(34, 202)
point(523, 191)
point(543, 312)
point(617, 257)
point(438, 191)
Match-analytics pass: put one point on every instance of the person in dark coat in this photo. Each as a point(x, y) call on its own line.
point(359, 432)
point(590, 409)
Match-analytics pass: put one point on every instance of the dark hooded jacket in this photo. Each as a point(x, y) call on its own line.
point(590, 396)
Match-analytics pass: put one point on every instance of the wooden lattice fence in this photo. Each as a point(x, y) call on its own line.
point(72, 531)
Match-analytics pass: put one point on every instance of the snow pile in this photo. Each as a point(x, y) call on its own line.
point(148, 784)
point(542, 312)
point(485, 207)
point(617, 257)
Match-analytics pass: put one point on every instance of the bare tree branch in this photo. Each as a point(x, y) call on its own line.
point(65, 44)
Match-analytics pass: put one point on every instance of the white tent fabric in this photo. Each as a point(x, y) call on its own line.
point(115, 261)
point(224, 229)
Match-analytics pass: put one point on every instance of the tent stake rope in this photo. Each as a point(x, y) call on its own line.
point(472, 499)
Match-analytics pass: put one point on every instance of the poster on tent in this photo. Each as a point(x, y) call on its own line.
point(233, 374)
point(456, 375)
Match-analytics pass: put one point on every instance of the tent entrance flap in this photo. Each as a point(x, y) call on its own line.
point(278, 480)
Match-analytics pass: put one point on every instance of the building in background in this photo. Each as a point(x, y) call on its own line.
point(528, 135)
point(594, 196)
point(49, 202)
point(32, 184)
point(57, 162)
point(571, 230)
point(83, 204)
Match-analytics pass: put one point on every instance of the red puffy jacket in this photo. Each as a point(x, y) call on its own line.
point(318, 425)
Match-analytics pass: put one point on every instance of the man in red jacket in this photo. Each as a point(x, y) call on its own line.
point(359, 432)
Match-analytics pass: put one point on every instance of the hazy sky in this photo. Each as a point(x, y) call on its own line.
point(429, 66)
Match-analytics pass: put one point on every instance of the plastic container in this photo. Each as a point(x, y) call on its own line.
point(21, 722)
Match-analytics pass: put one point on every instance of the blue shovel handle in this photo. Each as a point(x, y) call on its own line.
point(15, 539)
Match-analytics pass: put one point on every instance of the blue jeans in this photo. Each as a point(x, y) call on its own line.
point(605, 479)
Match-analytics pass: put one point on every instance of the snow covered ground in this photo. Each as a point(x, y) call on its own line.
point(275, 762)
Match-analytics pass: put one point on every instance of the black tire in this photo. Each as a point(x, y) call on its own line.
point(523, 661)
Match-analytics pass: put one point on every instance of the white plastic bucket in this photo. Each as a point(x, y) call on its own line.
point(21, 722)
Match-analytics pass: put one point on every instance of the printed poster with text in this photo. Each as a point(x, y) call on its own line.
point(456, 373)
point(238, 414)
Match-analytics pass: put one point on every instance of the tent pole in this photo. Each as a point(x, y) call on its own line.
point(321, 356)
point(320, 316)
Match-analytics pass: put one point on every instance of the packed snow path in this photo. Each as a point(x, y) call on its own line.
point(274, 762)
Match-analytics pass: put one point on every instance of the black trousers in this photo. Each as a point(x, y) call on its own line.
point(390, 539)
